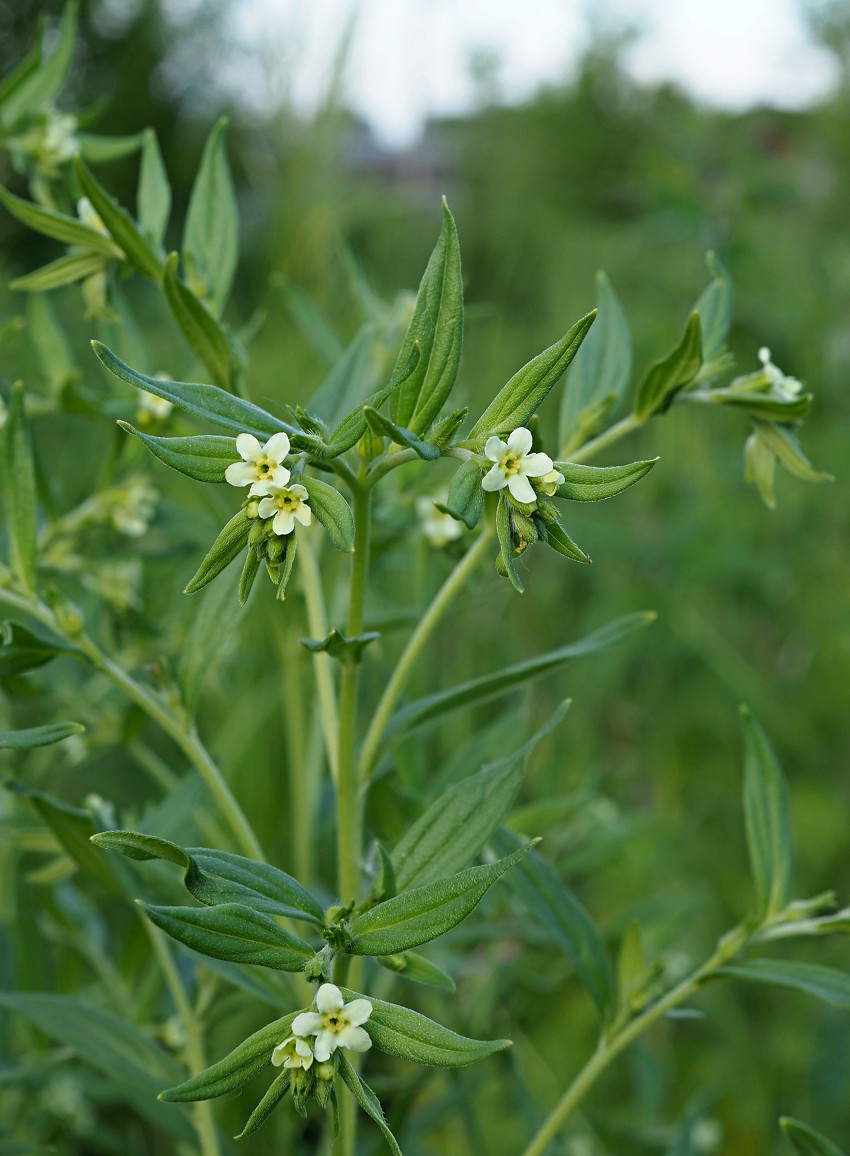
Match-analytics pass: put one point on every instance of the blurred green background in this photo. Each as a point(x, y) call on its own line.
point(752, 604)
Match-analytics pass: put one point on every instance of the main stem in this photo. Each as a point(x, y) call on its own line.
point(619, 430)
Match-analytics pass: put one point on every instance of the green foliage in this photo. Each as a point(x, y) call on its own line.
point(766, 815)
point(806, 1140)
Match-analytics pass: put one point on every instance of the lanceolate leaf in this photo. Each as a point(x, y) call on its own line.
point(234, 932)
point(352, 427)
point(211, 236)
point(787, 449)
point(458, 824)
point(715, 308)
point(245, 1061)
point(398, 1031)
point(59, 226)
point(278, 1089)
point(64, 271)
point(206, 401)
point(516, 402)
point(418, 969)
point(437, 328)
point(806, 1140)
point(425, 710)
point(122, 228)
point(766, 815)
point(402, 437)
point(559, 540)
point(200, 328)
point(593, 483)
point(554, 905)
point(230, 542)
point(427, 912)
point(666, 377)
point(18, 471)
point(204, 458)
point(825, 983)
point(154, 193)
point(36, 86)
point(21, 650)
point(368, 1101)
point(332, 510)
point(38, 736)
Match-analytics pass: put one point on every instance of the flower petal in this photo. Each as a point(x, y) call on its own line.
point(276, 448)
point(266, 507)
point(495, 448)
point(325, 1045)
point(520, 440)
point(299, 491)
point(304, 514)
point(280, 1053)
point(302, 1047)
point(356, 1039)
point(308, 1024)
point(536, 465)
point(284, 523)
point(494, 480)
point(358, 1011)
point(240, 473)
point(520, 488)
point(328, 997)
point(248, 447)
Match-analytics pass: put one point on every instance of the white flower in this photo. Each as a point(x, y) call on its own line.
point(152, 406)
point(133, 507)
point(294, 1052)
point(438, 528)
point(287, 506)
point(787, 387)
point(549, 483)
point(515, 465)
point(261, 467)
point(335, 1024)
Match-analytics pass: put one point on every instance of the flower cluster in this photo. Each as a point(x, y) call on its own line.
point(263, 470)
point(334, 1024)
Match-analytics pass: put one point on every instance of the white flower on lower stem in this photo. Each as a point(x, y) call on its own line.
point(514, 465)
point(335, 1023)
point(787, 387)
point(438, 528)
point(287, 507)
point(549, 483)
point(294, 1052)
point(261, 467)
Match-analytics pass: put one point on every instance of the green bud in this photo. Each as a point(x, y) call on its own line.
point(324, 1088)
point(69, 616)
point(338, 936)
point(303, 1085)
point(317, 969)
point(275, 549)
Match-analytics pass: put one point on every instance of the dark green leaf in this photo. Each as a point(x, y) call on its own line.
point(806, 1140)
point(332, 510)
point(18, 470)
point(425, 913)
point(825, 983)
point(153, 199)
point(21, 650)
point(383, 427)
point(234, 932)
point(15, 78)
point(231, 542)
point(367, 1100)
point(594, 483)
point(466, 495)
point(121, 226)
point(506, 545)
point(204, 457)
point(211, 235)
point(38, 736)
point(559, 540)
point(60, 227)
point(766, 815)
point(673, 372)
point(203, 332)
point(64, 271)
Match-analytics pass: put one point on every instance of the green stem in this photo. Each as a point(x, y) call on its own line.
point(390, 462)
point(597, 444)
point(317, 621)
point(180, 729)
point(610, 1047)
point(404, 667)
point(204, 1120)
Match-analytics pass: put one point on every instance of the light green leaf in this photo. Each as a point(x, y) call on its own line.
point(42, 736)
point(715, 308)
point(239, 1066)
point(367, 1100)
point(332, 510)
point(559, 540)
point(59, 226)
point(555, 906)
point(425, 710)
point(602, 368)
point(153, 198)
point(63, 271)
point(457, 824)
point(18, 470)
point(787, 449)
point(50, 341)
point(404, 1033)
point(824, 983)
point(425, 913)
point(418, 969)
point(206, 401)
point(517, 401)
point(767, 822)
point(466, 495)
point(594, 483)
point(806, 1140)
point(228, 545)
point(204, 334)
point(211, 235)
point(506, 545)
point(35, 87)
point(671, 373)
point(234, 932)
point(212, 627)
point(383, 427)
point(97, 149)
point(277, 1090)
point(437, 328)
point(121, 226)
point(204, 458)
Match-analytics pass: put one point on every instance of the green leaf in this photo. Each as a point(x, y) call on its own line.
point(332, 510)
point(383, 427)
point(206, 401)
point(211, 235)
point(427, 912)
point(346, 650)
point(352, 375)
point(506, 545)
point(559, 540)
point(558, 910)
point(715, 308)
point(18, 470)
point(121, 226)
point(666, 377)
point(466, 495)
point(277, 1090)
point(35, 86)
point(59, 226)
point(21, 650)
point(437, 328)
point(418, 969)
point(64, 271)
point(457, 825)
point(239, 1066)
point(15, 78)
point(787, 449)
point(367, 1100)
point(515, 403)
point(602, 368)
point(232, 931)
point(806, 1140)
point(231, 542)
point(213, 626)
point(352, 427)
point(204, 458)
point(153, 198)
point(488, 686)
point(42, 736)
point(204, 334)
point(767, 822)
point(97, 149)
point(824, 983)
point(765, 406)
point(595, 483)
point(404, 1033)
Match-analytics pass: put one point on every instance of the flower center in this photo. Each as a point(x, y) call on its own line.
point(510, 463)
point(334, 1023)
point(264, 465)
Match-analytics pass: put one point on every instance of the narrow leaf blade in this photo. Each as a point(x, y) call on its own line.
point(234, 932)
point(767, 821)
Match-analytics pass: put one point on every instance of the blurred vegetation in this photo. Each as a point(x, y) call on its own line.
point(753, 603)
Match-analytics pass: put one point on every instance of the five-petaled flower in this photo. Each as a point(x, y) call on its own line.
point(549, 483)
point(787, 387)
point(288, 507)
point(335, 1024)
point(261, 467)
point(514, 465)
point(294, 1052)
